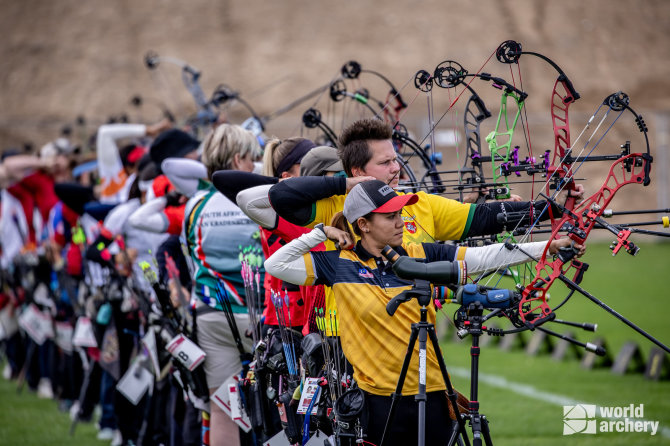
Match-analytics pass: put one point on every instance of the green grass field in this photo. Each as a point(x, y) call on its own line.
point(26, 420)
point(521, 395)
point(634, 287)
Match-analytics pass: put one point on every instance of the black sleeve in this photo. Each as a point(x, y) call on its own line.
point(325, 266)
point(74, 195)
point(97, 251)
point(293, 199)
point(436, 252)
point(232, 182)
point(172, 247)
point(498, 216)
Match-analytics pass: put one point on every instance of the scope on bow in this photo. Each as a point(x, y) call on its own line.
point(488, 297)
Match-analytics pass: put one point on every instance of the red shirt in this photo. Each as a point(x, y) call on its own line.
point(301, 298)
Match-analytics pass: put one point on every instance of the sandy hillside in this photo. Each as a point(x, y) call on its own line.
point(67, 58)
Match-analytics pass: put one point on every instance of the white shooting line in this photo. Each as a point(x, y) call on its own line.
point(530, 391)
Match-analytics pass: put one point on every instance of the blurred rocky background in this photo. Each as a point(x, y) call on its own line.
point(78, 64)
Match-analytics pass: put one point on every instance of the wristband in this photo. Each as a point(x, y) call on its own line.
point(321, 227)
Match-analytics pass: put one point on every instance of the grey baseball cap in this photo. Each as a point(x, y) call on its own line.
point(374, 196)
point(320, 160)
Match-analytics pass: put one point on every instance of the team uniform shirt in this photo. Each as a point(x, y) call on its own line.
point(36, 194)
point(13, 228)
point(374, 342)
point(219, 235)
point(301, 298)
point(429, 219)
point(115, 182)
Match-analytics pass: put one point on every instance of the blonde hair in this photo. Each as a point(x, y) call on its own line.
point(275, 151)
point(223, 143)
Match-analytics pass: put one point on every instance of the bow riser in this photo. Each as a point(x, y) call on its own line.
point(631, 169)
point(502, 151)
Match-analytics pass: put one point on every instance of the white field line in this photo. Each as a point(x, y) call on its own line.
point(530, 391)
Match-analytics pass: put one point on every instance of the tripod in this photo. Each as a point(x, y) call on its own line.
point(422, 330)
point(473, 326)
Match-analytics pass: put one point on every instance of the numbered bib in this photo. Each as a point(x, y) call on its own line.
point(185, 351)
point(38, 325)
point(83, 333)
point(227, 398)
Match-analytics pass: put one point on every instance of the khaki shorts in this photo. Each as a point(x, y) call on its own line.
point(216, 340)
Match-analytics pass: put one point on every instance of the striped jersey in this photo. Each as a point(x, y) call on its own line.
point(219, 235)
point(374, 342)
point(432, 218)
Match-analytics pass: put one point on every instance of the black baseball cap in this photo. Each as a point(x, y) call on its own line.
point(172, 143)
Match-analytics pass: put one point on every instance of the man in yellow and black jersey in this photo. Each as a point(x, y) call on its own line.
point(367, 152)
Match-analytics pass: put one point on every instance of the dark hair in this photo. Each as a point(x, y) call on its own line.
point(339, 221)
point(353, 148)
point(134, 190)
point(124, 153)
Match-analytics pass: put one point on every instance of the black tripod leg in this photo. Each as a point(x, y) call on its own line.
point(610, 310)
point(450, 389)
point(455, 438)
point(401, 381)
point(485, 431)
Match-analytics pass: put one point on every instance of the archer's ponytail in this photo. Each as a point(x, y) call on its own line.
point(340, 222)
point(275, 152)
point(268, 154)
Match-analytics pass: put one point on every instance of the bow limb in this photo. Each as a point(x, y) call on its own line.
point(394, 103)
point(475, 113)
point(562, 96)
point(206, 111)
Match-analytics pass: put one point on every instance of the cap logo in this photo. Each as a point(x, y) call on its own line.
point(385, 190)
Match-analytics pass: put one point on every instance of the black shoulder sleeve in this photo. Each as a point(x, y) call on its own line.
point(231, 182)
point(436, 252)
point(171, 247)
point(74, 195)
point(498, 216)
point(294, 198)
point(325, 266)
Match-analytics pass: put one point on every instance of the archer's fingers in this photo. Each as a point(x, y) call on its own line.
point(346, 242)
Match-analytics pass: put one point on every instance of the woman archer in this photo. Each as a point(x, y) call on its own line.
point(363, 283)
